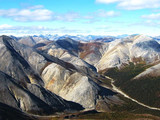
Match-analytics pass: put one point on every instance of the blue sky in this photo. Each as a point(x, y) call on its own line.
point(96, 17)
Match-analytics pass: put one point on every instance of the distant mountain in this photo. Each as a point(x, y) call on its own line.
point(49, 36)
point(122, 36)
point(32, 40)
point(105, 39)
point(76, 37)
point(36, 39)
point(157, 38)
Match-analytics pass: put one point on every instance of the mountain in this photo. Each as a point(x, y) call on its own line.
point(36, 82)
point(66, 50)
point(45, 39)
point(118, 53)
point(92, 52)
point(76, 75)
point(74, 37)
point(122, 36)
point(134, 49)
point(32, 40)
point(137, 54)
point(21, 82)
point(133, 63)
point(157, 38)
point(76, 52)
point(105, 39)
point(152, 71)
point(73, 86)
point(66, 77)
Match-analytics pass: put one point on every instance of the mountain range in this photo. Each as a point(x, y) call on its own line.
point(68, 75)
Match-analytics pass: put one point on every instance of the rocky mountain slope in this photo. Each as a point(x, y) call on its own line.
point(69, 82)
point(30, 40)
point(133, 63)
point(134, 49)
point(137, 54)
point(77, 53)
point(76, 87)
point(74, 37)
point(40, 83)
point(21, 82)
point(62, 76)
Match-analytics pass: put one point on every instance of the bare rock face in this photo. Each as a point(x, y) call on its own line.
point(27, 41)
point(16, 96)
point(39, 83)
point(84, 91)
point(68, 51)
point(134, 49)
point(55, 77)
point(69, 44)
point(33, 98)
point(71, 77)
point(21, 84)
point(92, 52)
point(16, 64)
point(74, 86)
point(146, 48)
point(14, 59)
point(32, 40)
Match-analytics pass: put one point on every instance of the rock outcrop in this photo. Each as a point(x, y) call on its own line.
point(32, 40)
point(75, 86)
point(21, 84)
point(136, 49)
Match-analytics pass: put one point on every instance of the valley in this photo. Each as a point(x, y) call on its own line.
point(126, 96)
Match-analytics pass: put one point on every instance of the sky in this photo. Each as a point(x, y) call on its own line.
point(80, 17)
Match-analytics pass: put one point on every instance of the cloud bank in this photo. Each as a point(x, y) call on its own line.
point(155, 16)
point(35, 13)
point(39, 13)
point(133, 4)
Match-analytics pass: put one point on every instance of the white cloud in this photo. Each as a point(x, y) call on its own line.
point(36, 7)
point(69, 16)
point(32, 14)
point(133, 4)
point(5, 26)
point(103, 13)
point(107, 1)
point(101, 30)
point(151, 23)
point(37, 13)
point(99, 14)
point(152, 20)
point(155, 16)
point(147, 24)
point(6, 29)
